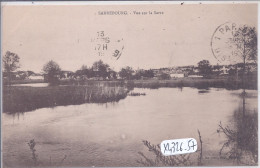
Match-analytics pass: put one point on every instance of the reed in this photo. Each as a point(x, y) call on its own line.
point(136, 94)
point(241, 143)
point(21, 99)
point(157, 159)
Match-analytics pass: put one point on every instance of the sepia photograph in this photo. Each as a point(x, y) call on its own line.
point(120, 84)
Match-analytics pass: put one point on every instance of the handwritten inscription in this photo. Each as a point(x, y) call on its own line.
point(117, 54)
point(178, 146)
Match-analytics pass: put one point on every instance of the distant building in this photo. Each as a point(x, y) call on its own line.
point(156, 72)
point(177, 75)
point(112, 75)
point(66, 74)
point(36, 77)
point(224, 70)
point(196, 70)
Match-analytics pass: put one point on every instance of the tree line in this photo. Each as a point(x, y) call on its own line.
point(99, 70)
point(102, 71)
point(245, 40)
point(53, 72)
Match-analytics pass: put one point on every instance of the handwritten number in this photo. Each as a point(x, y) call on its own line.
point(166, 147)
point(181, 146)
point(116, 53)
point(177, 146)
point(173, 147)
point(192, 146)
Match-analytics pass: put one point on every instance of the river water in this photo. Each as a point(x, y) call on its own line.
point(111, 134)
point(33, 84)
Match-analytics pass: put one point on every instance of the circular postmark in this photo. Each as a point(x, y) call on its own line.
point(223, 43)
point(106, 46)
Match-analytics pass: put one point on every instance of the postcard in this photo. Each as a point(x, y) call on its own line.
point(129, 84)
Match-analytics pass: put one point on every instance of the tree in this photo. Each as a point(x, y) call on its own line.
point(101, 68)
point(164, 76)
point(112, 74)
point(52, 72)
point(83, 72)
point(30, 73)
point(144, 73)
point(22, 75)
point(204, 68)
point(126, 73)
point(139, 74)
point(10, 63)
point(245, 40)
point(83, 67)
point(149, 73)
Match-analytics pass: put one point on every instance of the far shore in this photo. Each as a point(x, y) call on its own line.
point(217, 82)
point(70, 92)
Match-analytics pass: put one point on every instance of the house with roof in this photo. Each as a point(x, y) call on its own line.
point(36, 76)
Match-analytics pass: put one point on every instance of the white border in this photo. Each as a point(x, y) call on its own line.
point(26, 3)
point(74, 3)
point(258, 77)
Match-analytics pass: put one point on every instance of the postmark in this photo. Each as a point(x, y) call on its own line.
point(104, 45)
point(223, 43)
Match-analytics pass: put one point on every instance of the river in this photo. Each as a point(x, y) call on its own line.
point(111, 134)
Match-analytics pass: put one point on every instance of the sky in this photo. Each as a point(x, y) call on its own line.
point(180, 35)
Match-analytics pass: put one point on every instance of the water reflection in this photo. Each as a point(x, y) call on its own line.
point(18, 115)
point(33, 84)
point(202, 91)
point(242, 138)
point(114, 131)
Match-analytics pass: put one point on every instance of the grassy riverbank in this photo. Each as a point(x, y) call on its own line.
point(20, 99)
point(226, 82)
point(216, 82)
point(199, 83)
point(25, 81)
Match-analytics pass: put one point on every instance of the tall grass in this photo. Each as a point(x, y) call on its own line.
point(20, 99)
point(112, 83)
point(160, 160)
point(32, 144)
point(157, 159)
point(241, 143)
point(37, 162)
